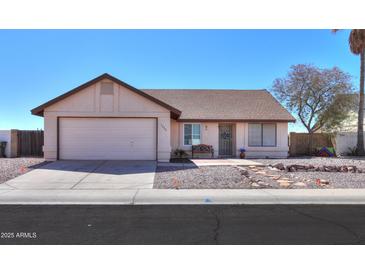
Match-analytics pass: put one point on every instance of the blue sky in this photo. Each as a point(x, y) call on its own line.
point(37, 65)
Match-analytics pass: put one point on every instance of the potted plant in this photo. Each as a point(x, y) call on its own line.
point(242, 152)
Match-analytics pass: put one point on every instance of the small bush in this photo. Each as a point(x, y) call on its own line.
point(352, 151)
point(180, 153)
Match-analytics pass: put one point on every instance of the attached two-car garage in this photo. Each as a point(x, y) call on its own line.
point(107, 138)
point(106, 119)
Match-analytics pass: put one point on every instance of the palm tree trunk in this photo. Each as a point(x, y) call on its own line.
point(360, 123)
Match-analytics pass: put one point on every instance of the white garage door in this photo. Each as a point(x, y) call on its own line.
point(107, 139)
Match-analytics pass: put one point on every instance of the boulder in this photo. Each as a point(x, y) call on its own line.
point(244, 172)
point(284, 184)
point(330, 168)
point(352, 168)
point(279, 166)
point(302, 167)
point(265, 184)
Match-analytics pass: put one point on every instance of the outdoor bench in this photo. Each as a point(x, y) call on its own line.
point(202, 149)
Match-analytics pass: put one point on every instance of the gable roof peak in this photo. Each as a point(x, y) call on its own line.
point(175, 113)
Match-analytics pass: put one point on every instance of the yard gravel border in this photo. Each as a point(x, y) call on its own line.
point(13, 167)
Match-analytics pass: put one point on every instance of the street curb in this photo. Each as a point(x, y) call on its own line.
point(184, 197)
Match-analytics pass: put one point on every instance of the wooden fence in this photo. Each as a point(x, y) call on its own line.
point(30, 143)
point(299, 143)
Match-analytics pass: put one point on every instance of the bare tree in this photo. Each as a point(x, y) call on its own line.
point(315, 96)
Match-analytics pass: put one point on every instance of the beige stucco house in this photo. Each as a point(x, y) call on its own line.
point(106, 118)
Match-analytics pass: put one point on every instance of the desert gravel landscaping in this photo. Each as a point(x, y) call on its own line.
point(13, 167)
point(202, 178)
point(309, 172)
point(357, 161)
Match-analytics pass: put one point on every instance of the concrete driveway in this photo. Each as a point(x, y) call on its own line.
point(88, 175)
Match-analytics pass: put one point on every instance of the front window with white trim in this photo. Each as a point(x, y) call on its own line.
point(191, 134)
point(262, 135)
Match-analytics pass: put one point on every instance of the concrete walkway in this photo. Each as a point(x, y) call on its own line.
point(104, 175)
point(187, 196)
point(213, 162)
point(225, 162)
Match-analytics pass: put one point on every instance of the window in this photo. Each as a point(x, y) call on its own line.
point(191, 134)
point(262, 135)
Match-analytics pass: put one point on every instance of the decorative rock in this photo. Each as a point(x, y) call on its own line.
point(300, 184)
point(322, 182)
point(284, 184)
point(263, 183)
point(255, 185)
point(351, 168)
point(329, 168)
point(271, 175)
point(244, 173)
point(321, 168)
point(284, 181)
point(279, 166)
point(300, 167)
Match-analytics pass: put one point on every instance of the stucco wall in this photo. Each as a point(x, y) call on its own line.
point(120, 103)
point(209, 136)
point(345, 141)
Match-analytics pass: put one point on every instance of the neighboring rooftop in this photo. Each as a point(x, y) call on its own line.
point(223, 104)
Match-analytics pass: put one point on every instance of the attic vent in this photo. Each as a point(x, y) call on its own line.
point(106, 88)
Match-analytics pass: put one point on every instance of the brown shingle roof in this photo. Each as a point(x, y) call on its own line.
point(199, 104)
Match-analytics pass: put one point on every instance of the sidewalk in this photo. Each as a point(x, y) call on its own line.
point(183, 196)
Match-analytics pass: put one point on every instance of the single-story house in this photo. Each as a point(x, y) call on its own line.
point(106, 118)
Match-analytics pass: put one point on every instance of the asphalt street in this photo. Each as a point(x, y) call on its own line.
point(182, 224)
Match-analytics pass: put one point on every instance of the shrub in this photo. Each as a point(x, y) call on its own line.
point(352, 151)
point(180, 153)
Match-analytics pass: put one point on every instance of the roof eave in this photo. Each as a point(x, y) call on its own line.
point(238, 120)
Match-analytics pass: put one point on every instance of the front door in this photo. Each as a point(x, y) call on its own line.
point(225, 140)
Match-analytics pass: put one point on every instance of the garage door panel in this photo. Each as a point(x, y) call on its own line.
point(114, 133)
point(107, 138)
